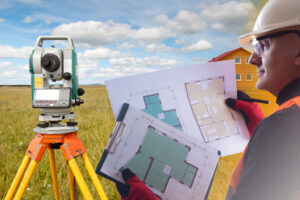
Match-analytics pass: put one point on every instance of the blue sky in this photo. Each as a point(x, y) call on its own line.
point(117, 38)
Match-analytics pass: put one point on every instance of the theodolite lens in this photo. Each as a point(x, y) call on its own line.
point(50, 62)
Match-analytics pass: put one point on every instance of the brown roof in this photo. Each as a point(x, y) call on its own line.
point(225, 54)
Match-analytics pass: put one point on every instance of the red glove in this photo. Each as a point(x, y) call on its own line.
point(250, 110)
point(134, 189)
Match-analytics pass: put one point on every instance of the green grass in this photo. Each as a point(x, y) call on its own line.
point(95, 122)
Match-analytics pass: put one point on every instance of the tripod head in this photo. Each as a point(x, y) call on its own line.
point(47, 67)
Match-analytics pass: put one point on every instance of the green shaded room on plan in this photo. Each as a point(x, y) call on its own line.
point(160, 158)
point(154, 108)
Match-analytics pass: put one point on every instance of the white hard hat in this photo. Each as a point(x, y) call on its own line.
point(275, 16)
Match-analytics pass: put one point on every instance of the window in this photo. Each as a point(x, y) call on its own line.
point(237, 60)
point(247, 60)
point(238, 77)
point(249, 77)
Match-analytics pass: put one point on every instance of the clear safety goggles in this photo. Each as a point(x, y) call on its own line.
point(260, 43)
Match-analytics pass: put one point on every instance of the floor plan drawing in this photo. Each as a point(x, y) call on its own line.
point(160, 103)
point(154, 108)
point(174, 166)
point(213, 117)
point(189, 98)
point(164, 158)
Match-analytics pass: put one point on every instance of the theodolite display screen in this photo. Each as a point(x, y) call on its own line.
point(52, 98)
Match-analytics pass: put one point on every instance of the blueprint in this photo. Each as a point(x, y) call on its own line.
point(160, 102)
point(154, 108)
point(190, 99)
point(174, 166)
point(162, 158)
point(206, 99)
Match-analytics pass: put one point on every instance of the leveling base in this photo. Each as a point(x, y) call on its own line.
point(71, 148)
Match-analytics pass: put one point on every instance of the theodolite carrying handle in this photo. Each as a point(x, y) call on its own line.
point(39, 41)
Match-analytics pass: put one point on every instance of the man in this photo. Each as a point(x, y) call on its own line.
point(270, 166)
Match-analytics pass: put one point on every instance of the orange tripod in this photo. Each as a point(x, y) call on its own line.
point(71, 148)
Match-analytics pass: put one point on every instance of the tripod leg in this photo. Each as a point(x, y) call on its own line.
point(93, 176)
point(79, 179)
point(26, 179)
point(73, 191)
point(17, 178)
point(54, 173)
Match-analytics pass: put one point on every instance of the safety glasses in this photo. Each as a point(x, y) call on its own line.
point(260, 43)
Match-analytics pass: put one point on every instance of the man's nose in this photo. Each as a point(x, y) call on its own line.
point(255, 59)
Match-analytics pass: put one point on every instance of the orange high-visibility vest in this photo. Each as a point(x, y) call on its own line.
point(235, 179)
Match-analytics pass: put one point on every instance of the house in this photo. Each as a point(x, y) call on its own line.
point(246, 78)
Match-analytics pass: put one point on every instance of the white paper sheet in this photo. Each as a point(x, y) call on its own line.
point(170, 181)
point(169, 86)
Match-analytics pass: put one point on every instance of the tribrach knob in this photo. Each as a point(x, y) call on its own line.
point(72, 123)
point(43, 125)
point(78, 101)
point(80, 91)
point(67, 76)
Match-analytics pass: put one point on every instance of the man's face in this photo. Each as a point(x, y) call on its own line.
point(277, 63)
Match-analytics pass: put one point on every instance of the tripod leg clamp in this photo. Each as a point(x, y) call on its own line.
point(72, 146)
point(36, 148)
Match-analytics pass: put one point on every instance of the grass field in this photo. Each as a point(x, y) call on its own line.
point(95, 122)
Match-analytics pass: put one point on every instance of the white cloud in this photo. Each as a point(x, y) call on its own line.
point(120, 64)
point(157, 48)
point(154, 61)
point(181, 42)
point(7, 51)
point(5, 65)
point(232, 15)
point(150, 35)
point(11, 73)
point(185, 22)
point(27, 20)
point(98, 54)
point(91, 71)
point(48, 18)
point(89, 60)
point(217, 26)
point(94, 33)
point(197, 59)
point(97, 33)
point(2, 20)
point(200, 45)
point(117, 71)
point(122, 61)
point(126, 45)
point(87, 67)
